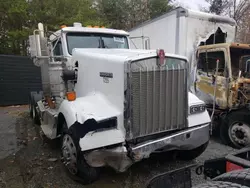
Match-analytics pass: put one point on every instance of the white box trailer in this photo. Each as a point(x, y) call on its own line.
point(219, 70)
point(181, 31)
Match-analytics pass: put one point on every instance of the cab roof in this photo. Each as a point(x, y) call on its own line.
point(225, 45)
point(88, 30)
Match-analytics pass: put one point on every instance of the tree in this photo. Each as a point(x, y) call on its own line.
point(239, 10)
point(217, 6)
point(114, 12)
point(159, 7)
point(232, 8)
point(20, 17)
point(58, 12)
point(125, 14)
point(13, 33)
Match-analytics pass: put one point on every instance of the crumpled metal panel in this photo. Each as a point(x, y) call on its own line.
point(205, 87)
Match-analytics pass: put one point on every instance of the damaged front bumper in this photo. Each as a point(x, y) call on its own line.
point(120, 157)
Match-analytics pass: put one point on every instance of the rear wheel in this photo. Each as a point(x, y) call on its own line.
point(35, 116)
point(220, 184)
point(235, 129)
point(73, 159)
point(192, 154)
point(30, 109)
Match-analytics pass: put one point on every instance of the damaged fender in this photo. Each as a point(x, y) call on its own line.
point(98, 110)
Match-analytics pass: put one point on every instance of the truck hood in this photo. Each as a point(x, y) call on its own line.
point(198, 118)
point(127, 54)
point(193, 100)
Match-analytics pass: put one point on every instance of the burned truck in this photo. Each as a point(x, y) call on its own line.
point(113, 107)
point(223, 82)
point(219, 67)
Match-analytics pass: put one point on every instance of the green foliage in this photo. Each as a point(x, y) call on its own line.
point(20, 17)
point(14, 14)
point(114, 12)
point(125, 14)
point(158, 7)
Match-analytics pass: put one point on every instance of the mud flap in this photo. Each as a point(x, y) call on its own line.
point(180, 178)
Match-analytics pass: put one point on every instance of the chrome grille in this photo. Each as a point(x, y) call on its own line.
point(158, 97)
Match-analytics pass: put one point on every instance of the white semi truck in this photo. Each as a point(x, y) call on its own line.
point(219, 68)
point(113, 107)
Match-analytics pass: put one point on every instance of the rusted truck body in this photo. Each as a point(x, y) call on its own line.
point(219, 67)
point(233, 77)
point(223, 82)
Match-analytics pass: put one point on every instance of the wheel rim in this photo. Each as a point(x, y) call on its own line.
point(69, 154)
point(239, 134)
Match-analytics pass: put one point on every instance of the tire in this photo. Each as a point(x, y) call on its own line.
point(192, 154)
point(238, 176)
point(35, 116)
point(235, 129)
point(80, 171)
point(30, 109)
point(34, 97)
point(31, 102)
point(220, 184)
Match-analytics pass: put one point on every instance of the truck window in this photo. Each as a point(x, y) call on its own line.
point(95, 40)
point(207, 61)
point(58, 48)
point(239, 61)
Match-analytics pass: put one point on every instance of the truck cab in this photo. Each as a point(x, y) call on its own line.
point(222, 79)
point(113, 106)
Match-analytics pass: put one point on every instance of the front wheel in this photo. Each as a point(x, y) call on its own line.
point(74, 161)
point(235, 129)
point(192, 154)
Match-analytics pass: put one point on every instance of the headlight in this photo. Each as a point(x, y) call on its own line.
point(197, 109)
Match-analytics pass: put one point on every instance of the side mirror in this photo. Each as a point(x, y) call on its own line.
point(247, 66)
point(34, 45)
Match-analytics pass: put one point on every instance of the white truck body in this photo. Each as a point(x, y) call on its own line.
point(181, 31)
point(125, 104)
point(101, 99)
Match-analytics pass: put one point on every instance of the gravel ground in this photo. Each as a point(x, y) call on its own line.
point(29, 161)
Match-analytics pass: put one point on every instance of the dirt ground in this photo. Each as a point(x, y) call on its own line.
point(27, 160)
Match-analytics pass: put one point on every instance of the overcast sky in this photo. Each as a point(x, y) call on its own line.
point(192, 4)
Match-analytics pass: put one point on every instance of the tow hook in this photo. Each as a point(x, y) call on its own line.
point(199, 170)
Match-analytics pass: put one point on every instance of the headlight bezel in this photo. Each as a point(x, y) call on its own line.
point(198, 108)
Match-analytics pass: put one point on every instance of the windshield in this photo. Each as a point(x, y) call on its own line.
point(95, 40)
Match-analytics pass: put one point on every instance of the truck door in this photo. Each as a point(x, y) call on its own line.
point(210, 84)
